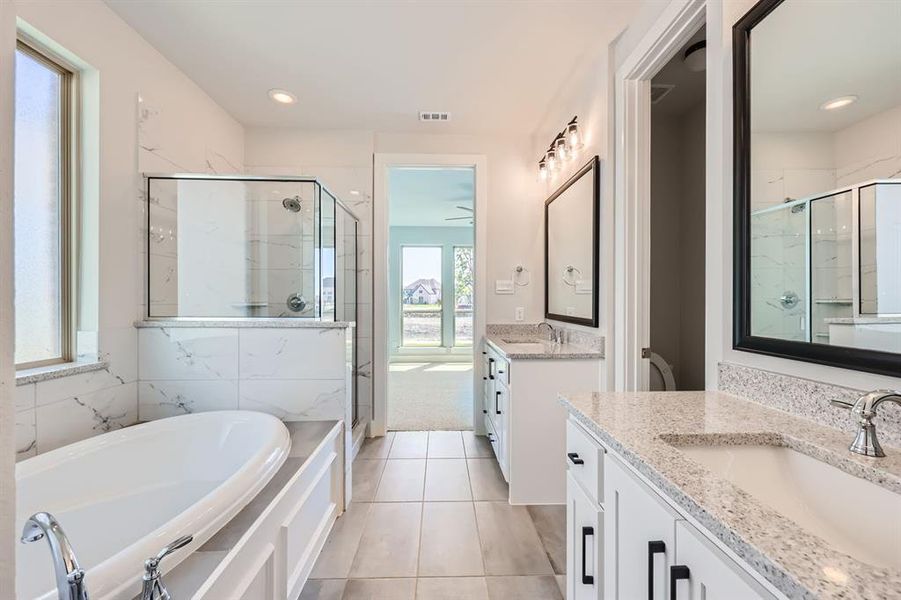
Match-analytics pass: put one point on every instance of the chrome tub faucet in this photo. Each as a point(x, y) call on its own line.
point(69, 575)
point(866, 443)
point(153, 588)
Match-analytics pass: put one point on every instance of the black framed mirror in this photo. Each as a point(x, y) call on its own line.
point(571, 248)
point(817, 182)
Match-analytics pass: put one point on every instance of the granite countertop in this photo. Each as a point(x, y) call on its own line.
point(646, 429)
point(510, 346)
point(251, 322)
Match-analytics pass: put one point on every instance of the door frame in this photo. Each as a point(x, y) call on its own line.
point(378, 426)
point(632, 188)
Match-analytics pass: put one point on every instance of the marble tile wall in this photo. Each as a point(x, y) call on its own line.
point(296, 374)
point(805, 398)
point(55, 412)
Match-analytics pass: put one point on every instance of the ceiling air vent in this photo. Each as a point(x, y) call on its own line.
point(434, 116)
point(659, 91)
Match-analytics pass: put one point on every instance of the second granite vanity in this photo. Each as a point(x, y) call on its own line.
point(524, 372)
point(690, 495)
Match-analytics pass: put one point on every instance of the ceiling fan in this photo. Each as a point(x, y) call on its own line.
point(464, 208)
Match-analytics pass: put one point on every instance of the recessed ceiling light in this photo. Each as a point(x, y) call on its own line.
point(282, 97)
point(839, 102)
point(354, 192)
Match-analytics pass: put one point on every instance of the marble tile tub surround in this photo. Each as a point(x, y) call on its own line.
point(296, 374)
point(796, 562)
point(806, 398)
point(55, 407)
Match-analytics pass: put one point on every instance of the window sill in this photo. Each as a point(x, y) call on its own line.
point(68, 369)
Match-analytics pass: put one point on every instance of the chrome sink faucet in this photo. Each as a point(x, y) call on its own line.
point(554, 335)
point(864, 410)
point(69, 575)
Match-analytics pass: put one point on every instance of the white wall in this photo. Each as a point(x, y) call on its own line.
point(196, 134)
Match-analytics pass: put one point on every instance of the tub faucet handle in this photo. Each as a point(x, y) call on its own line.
point(153, 588)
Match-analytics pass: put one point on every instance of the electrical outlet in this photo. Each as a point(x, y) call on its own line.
point(520, 313)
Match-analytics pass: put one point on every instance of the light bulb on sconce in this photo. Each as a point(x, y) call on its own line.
point(551, 160)
point(542, 170)
point(573, 136)
point(561, 149)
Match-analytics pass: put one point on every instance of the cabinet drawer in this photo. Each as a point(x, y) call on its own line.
point(585, 460)
point(711, 574)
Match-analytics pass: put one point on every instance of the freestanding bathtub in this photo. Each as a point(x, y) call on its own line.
point(122, 496)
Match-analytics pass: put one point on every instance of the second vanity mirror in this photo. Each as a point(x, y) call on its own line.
point(817, 151)
point(571, 248)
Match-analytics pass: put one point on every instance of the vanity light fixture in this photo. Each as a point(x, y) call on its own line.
point(840, 102)
point(282, 96)
point(563, 148)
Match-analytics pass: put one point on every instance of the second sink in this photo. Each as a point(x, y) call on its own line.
point(854, 515)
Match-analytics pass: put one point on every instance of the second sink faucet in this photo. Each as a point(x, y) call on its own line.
point(555, 337)
point(866, 442)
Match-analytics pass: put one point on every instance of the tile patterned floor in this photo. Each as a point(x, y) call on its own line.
point(430, 521)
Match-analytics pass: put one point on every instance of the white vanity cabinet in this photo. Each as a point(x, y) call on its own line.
point(640, 545)
point(634, 543)
point(525, 422)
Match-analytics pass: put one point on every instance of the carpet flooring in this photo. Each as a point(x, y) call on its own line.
point(430, 396)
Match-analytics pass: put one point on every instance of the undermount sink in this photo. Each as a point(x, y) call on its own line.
point(525, 344)
point(853, 515)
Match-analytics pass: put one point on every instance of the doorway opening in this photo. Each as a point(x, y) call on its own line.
point(677, 227)
point(431, 285)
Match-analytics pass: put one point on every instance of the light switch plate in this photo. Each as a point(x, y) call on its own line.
point(503, 286)
point(520, 313)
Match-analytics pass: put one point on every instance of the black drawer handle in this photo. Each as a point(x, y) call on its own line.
point(586, 531)
point(484, 411)
point(490, 437)
point(574, 457)
point(677, 572)
point(655, 547)
point(497, 396)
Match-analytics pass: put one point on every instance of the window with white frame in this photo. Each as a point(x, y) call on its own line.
point(44, 106)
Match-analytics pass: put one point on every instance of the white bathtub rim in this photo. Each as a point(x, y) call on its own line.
point(267, 460)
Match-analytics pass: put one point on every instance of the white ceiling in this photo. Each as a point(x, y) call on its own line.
point(496, 65)
point(805, 53)
point(428, 196)
point(690, 85)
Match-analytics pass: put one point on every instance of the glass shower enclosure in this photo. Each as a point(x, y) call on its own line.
point(245, 247)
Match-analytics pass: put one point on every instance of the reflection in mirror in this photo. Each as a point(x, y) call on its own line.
point(571, 242)
point(822, 163)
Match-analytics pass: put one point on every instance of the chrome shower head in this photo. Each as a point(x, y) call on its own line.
point(292, 204)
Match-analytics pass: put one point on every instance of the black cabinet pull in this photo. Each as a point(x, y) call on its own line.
point(677, 572)
point(484, 411)
point(655, 547)
point(491, 369)
point(574, 457)
point(586, 531)
point(497, 396)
